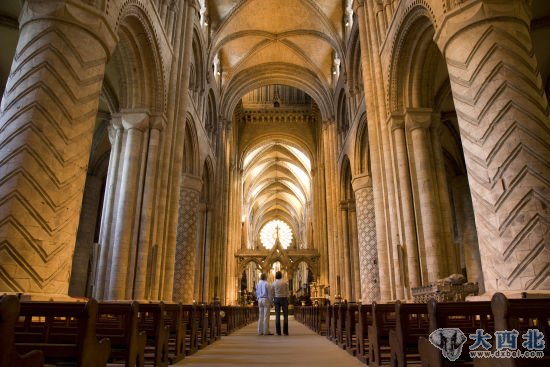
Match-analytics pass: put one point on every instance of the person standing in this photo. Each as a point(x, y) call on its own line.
point(265, 296)
point(280, 290)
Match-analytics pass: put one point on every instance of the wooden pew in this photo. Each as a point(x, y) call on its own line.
point(9, 312)
point(351, 328)
point(383, 320)
point(411, 323)
point(364, 319)
point(521, 315)
point(64, 331)
point(151, 320)
point(190, 322)
point(340, 325)
point(173, 318)
point(119, 322)
point(202, 326)
point(467, 316)
point(331, 318)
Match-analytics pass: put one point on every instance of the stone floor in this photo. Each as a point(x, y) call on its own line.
point(245, 348)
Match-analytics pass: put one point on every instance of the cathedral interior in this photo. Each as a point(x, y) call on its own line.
point(175, 150)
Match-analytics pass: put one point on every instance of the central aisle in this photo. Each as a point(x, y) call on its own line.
point(245, 348)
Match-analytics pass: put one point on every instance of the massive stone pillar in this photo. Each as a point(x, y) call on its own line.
point(186, 240)
point(374, 99)
point(366, 230)
point(46, 126)
point(504, 122)
point(123, 245)
point(417, 123)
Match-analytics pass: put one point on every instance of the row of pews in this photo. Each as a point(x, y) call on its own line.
point(398, 334)
point(95, 333)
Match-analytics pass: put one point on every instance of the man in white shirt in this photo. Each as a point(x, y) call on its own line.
point(280, 290)
point(265, 296)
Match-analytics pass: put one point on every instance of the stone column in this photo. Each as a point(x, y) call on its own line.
point(467, 231)
point(83, 252)
point(417, 123)
point(397, 126)
point(109, 205)
point(46, 125)
point(134, 124)
point(346, 244)
point(186, 240)
point(504, 122)
point(374, 99)
point(146, 235)
point(366, 231)
point(354, 251)
point(178, 102)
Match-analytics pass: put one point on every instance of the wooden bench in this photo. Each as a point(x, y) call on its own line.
point(411, 323)
point(364, 319)
point(351, 328)
point(64, 331)
point(151, 320)
point(9, 312)
point(118, 321)
point(466, 316)
point(173, 318)
point(340, 314)
point(521, 315)
point(383, 320)
point(190, 323)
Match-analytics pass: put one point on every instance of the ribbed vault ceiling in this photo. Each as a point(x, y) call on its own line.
point(266, 37)
point(276, 184)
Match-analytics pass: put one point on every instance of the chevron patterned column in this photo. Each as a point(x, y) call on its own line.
point(186, 240)
point(46, 125)
point(504, 121)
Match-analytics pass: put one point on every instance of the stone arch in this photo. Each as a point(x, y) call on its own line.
point(137, 59)
point(277, 73)
point(342, 116)
point(414, 42)
point(190, 163)
point(362, 154)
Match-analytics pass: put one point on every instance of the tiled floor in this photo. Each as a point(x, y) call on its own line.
point(245, 348)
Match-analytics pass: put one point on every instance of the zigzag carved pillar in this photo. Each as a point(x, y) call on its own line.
point(366, 231)
point(503, 117)
point(46, 126)
point(186, 239)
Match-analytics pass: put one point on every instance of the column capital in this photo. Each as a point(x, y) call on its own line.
point(358, 4)
point(477, 12)
point(191, 182)
point(158, 122)
point(418, 118)
point(133, 119)
point(361, 182)
point(76, 13)
point(396, 121)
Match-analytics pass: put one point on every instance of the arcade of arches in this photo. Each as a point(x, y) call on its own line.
point(175, 149)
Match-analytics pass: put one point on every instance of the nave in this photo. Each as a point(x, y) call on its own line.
point(302, 347)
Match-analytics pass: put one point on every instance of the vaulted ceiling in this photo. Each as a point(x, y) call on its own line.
point(291, 42)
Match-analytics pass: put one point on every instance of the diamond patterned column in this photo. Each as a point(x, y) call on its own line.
point(366, 230)
point(186, 240)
